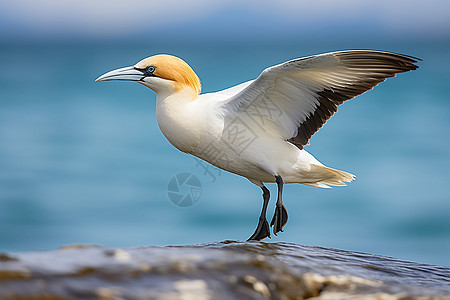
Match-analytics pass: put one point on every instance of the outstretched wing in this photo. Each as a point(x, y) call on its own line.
point(297, 97)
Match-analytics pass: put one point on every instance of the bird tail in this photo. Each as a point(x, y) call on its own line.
point(327, 176)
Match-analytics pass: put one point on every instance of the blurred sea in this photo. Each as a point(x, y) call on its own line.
point(85, 162)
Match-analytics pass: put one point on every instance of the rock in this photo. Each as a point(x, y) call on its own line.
point(224, 270)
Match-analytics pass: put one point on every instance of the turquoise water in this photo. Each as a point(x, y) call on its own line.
point(85, 162)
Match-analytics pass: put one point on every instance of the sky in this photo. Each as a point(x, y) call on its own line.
point(222, 19)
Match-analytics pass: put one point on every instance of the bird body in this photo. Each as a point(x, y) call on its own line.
point(258, 129)
point(197, 127)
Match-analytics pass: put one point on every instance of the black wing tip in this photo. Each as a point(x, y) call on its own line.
point(412, 60)
point(408, 62)
point(330, 99)
point(371, 51)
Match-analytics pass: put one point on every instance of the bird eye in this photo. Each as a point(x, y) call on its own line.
point(150, 69)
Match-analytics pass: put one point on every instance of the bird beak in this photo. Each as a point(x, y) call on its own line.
point(127, 73)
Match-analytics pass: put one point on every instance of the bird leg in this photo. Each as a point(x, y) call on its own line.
point(263, 229)
point(280, 216)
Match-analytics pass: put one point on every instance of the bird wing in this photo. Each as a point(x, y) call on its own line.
point(297, 97)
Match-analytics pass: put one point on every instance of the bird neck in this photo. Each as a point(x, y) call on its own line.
point(176, 116)
point(176, 96)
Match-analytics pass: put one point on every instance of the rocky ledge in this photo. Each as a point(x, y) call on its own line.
point(223, 270)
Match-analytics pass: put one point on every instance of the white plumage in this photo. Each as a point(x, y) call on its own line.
point(258, 129)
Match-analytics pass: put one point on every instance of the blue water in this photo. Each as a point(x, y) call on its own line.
point(85, 162)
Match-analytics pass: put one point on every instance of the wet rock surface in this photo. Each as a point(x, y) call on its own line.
point(223, 270)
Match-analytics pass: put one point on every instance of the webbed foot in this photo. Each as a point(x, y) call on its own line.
point(262, 231)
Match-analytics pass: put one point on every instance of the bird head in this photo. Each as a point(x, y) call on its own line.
point(162, 73)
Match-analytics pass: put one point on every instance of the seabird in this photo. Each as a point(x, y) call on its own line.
point(258, 129)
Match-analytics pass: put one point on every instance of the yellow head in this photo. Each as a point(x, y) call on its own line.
point(161, 73)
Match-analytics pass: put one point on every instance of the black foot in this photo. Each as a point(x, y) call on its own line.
point(279, 219)
point(261, 232)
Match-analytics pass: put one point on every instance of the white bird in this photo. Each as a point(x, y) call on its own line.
point(258, 129)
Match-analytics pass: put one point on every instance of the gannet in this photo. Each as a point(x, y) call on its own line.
point(258, 129)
